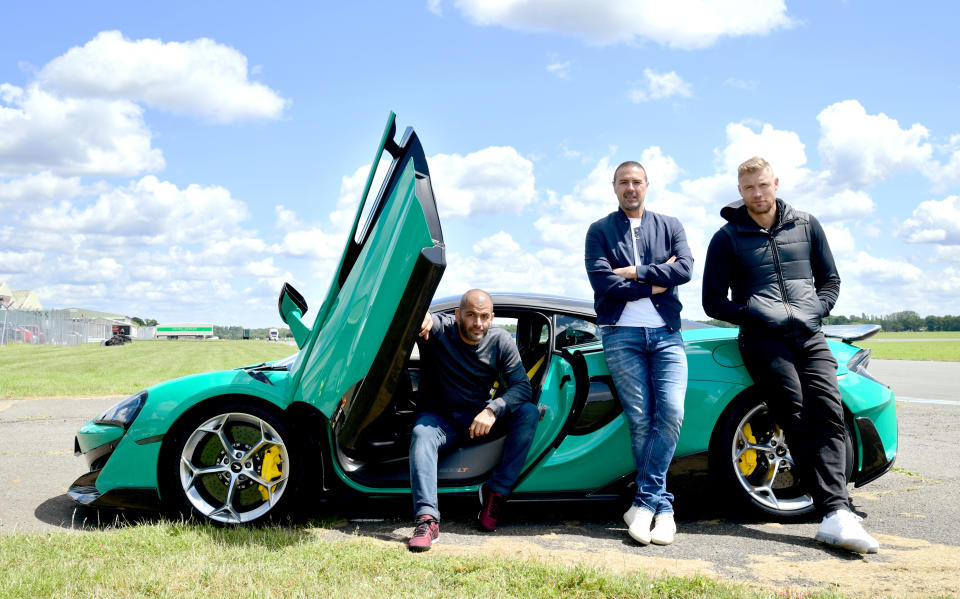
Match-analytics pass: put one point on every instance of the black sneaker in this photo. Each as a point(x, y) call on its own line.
point(426, 531)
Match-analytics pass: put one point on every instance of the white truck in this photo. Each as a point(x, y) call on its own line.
point(273, 335)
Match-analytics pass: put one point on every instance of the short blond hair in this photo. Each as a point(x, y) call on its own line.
point(753, 165)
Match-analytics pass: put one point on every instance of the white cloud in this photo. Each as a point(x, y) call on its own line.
point(659, 86)
point(491, 180)
point(857, 148)
point(879, 272)
point(233, 250)
point(566, 218)
point(934, 222)
point(662, 170)
point(553, 262)
point(199, 76)
point(81, 115)
point(565, 223)
point(152, 211)
point(271, 276)
point(312, 243)
point(560, 69)
point(190, 262)
point(782, 149)
point(19, 262)
point(950, 253)
point(499, 263)
point(324, 242)
point(686, 24)
point(40, 131)
point(145, 246)
point(841, 240)
point(37, 189)
point(881, 286)
point(286, 219)
point(70, 295)
point(947, 174)
point(150, 273)
point(81, 270)
point(805, 189)
point(714, 191)
point(843, 205)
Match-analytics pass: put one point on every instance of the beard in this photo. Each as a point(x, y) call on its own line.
point(467, 334)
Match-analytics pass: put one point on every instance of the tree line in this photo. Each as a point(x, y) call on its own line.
point(907, 320)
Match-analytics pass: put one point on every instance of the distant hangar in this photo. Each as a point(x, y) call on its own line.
point(186, 330)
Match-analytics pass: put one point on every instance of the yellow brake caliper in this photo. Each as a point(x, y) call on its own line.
point(270, 471)
point(748, 459)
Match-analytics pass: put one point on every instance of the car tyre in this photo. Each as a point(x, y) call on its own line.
point(230, 463)
point(752, 463)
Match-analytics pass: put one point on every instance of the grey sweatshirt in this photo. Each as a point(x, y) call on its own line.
point(457, 377)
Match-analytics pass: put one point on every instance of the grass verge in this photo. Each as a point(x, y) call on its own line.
point(93, 369)
point(932, 350)
point(932, 335)
point(190, 560)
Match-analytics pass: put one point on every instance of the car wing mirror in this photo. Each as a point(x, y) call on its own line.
point(292, 307)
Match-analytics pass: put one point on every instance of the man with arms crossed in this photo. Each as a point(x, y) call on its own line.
point(778, 265)
point(461, 357)
point(635, 260)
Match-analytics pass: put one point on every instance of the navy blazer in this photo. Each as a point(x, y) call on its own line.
point(609, 245)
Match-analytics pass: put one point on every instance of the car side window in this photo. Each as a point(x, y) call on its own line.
point(572, 331)
point(601, 407)
point(508, 324)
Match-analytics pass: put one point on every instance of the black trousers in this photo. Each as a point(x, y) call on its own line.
point(798, 379)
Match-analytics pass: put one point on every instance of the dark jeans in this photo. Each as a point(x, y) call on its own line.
point(798, 379)
point(435, 433)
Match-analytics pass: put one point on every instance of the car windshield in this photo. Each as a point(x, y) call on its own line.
point(284, 364)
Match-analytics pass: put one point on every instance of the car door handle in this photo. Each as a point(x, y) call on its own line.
point(564, 380)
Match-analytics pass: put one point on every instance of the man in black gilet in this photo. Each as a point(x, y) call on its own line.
point(779, 269)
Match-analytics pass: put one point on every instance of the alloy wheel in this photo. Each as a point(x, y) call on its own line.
point(763, 466)
point(234, 468)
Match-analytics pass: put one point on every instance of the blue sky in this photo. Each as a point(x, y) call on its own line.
point(180, 163)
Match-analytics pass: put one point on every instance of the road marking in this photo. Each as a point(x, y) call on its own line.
point(946, 402)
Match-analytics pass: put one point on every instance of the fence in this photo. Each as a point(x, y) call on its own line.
point(59, 327)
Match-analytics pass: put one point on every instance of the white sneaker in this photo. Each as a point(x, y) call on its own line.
point(630, 514)
point(640, 522)
point(842, 528)
point(664, 529)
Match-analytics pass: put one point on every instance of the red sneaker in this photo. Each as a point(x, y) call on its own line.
point(426, 531)
point(491, 503)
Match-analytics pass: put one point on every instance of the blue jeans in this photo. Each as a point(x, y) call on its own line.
point(434, 433)
point(649, 370)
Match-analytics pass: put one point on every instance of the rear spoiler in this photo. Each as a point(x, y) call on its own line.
point(849, 333)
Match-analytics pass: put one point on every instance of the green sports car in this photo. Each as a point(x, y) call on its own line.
point(334, 419)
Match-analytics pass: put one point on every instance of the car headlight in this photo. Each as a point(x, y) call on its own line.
point(124, 412)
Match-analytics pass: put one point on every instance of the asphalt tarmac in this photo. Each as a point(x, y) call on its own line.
point(912, 510)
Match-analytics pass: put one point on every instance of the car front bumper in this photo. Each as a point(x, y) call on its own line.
point(98, 444)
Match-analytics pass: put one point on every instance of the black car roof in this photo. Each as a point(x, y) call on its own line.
point(549, 303)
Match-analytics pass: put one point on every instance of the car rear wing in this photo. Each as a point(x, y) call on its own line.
point(849, 333)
